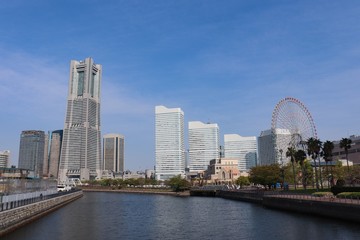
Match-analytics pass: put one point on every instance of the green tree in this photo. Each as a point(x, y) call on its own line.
point(178, 183)
point(327, 150)
point(345, 143)
point(291, 151)
point(242, 181)
point(265, 175)
point(313, 150)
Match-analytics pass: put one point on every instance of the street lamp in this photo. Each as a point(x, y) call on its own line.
point(282, 168)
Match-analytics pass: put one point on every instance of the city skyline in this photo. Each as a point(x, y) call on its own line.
point(225, 63)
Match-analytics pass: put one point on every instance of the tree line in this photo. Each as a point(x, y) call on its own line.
point(301, 170)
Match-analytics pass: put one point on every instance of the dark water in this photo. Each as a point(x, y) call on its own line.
point(134, 216)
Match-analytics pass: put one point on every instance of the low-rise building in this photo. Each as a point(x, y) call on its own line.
point(222, 171)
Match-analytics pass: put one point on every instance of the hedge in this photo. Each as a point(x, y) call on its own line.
point(322, 194)
point(336, 189)
point(348, 195)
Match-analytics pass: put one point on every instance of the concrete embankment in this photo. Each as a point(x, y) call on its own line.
point(12, 219)
point(333, 208)
point(246, 196)
point(345, 211)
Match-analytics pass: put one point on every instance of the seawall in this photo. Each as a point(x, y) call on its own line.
point(334, 208)
point(12, 219)
point(339, 210)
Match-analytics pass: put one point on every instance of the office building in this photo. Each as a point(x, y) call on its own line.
point(242, 148)
point(4, 159)
point(46, 156)
point(272, 146)
point(81, 146)
point(203, 145)
point(113, 152)
point(55, 152)
point(31, 153)
point(169, 142)
point(353, 153)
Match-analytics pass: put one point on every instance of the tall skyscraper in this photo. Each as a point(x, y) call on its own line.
point(31, 153)
point(241, 148)
point(203, 144)
point(272, 146)
point(46, 156)
point(113, 152)
point(4, 159)
point(55, 151)
point(169, 142)
point(81, 147)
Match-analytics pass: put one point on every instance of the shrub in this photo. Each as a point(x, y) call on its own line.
point(322, 194)
point(336, 189)
point(340, 182)
point(348, 195)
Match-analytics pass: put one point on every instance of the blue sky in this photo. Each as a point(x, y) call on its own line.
point(226, 62)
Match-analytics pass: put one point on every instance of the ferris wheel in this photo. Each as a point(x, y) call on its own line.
point(292, 124)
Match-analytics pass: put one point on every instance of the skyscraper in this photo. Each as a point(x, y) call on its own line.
point(4, 159)
point(203, 144)
point(55, 151)
point(113, 152)
point(272, 146)
point(46, 156)
point(31, 153)
point(81, 146)
point(169, 142)
point(241, 148)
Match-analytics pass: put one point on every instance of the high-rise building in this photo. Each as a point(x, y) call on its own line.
point(272, 146)
point(46, 156)
point(31, 153)
point(4, 159)
point(113, 152)
point(169, 142)
point(241, 148)
point(55, 152)
point(81, 146)
point(203, 144)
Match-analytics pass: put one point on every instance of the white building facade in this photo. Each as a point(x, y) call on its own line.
point(81, 146)
point(242, 148)
point(203, 145)
point(113, 152)
point(169, 142)
point(272, 146)
point(4, 159)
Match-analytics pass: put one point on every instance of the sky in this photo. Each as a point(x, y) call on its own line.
point(225, 62)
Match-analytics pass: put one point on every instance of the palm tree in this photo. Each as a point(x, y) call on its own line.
point(313, 150)
point(291, 151)
point(327, 154)
point(345, 143)
point(300, 157)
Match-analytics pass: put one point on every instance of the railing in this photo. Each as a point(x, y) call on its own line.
point(7, 205)
point(299, 196)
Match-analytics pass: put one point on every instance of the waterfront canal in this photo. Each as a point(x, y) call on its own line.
point(104, 215)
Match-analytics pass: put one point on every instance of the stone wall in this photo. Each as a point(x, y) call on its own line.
point(345, 211)
point(17, 217)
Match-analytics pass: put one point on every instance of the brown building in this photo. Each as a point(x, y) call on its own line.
point(353, 152)
point(222, 171)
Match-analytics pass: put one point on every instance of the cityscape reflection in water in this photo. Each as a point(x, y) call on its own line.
point(141, 216)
